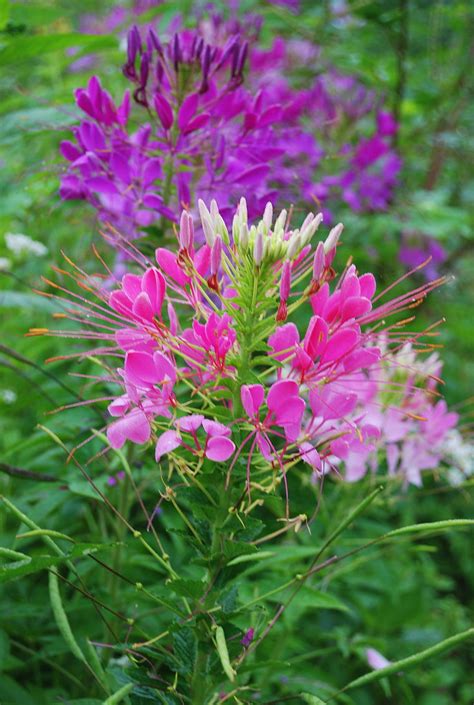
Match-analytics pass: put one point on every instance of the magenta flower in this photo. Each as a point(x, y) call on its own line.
point(285, 410)
point(217, 445)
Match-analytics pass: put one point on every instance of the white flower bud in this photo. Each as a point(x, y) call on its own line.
point(294, 245)
point(333, 238)
point(268, 215)
point(281, 221)
point(258, 249)
point(244, 236)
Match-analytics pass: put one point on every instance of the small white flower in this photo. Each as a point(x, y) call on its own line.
point(5, 263)
point(21, 244)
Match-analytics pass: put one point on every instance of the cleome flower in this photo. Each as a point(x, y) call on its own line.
point(210, 115)
point(212, 371)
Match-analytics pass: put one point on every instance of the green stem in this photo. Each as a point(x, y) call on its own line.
point(410, 661)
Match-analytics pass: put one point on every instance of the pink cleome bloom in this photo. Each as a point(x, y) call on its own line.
point(206, 358)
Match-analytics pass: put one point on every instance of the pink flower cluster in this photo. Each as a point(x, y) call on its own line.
point(210, 355)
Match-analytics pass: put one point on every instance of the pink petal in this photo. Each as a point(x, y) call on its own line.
point(339, 345)
point(280, 393)
point(164, 367)
point(119, 406)
point(190, 423)
point(355, 306)
point(167, 442)
point(197, 123)
point(140, 368)
point(214, 428)
point(169, 264)
point(202, 260)
point(120, 302)
point(134, 427)
point(310, 455)
point(219, 448)
point(142, 307)
point(252, 396)
point(367, 285)
point(319, 300)
point(362, 359)
point(316, 337)
point(290, 413)
point(264, 446)
point(132, 285)
point(154, 284)
point(284, 339)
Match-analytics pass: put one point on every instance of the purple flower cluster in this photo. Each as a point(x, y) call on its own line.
point(201, 128)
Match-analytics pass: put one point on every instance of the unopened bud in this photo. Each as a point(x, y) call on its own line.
point(333, 238)
point(216, 256)
point(281, 221)
point(244, 236)
point(294, 245)
point(318, 262)
point(268, 215)
point(258, 249)
point(206, 223)
point(285, 281)
point(185, 231)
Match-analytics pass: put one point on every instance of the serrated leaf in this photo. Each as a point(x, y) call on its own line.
point(185, 649)
point(232, 549)
point(228, 600)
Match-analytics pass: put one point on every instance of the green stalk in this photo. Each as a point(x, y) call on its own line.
point(408, 662)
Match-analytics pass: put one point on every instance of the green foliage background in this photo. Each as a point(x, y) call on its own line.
point(398, 598)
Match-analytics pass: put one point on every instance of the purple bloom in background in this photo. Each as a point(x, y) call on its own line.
point(219, 117)
point(418, 249)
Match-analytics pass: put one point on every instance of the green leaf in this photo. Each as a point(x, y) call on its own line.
point(23, 48)
point(119, 695)
point(312, 699)
point(4, 12)
point(13, 125)
point(185, 649)
point(311, 597)
point(11, 693)
point(233, 549)
point(228, 600)
point(188, 588)
point(17, 569)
